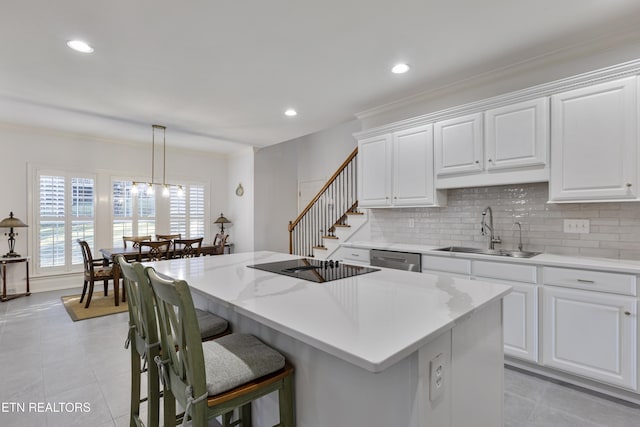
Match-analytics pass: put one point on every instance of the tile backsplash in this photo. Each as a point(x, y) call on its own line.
point(614, 227)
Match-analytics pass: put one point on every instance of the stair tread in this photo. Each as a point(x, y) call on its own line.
point(330, 237)
point(355, 213)
point(342, 225)
point(320, 247)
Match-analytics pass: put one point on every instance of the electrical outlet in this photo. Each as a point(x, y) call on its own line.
point(436, 377)
point(576, 226)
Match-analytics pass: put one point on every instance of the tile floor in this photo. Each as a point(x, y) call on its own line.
point(45, 358)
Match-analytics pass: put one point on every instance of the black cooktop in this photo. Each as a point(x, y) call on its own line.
point(314, 270)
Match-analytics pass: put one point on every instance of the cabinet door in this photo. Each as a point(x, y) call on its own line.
point(520, 319)
point(591, 334)
point(458, 145)
point(374, 171)
point(413, 166)
point(594, 142)
point(517, 135)
point(520, 310)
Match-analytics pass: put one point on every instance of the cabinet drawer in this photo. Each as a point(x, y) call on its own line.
point(615, 283)
point(446, 264)
point(356, 254)
point(504, 271)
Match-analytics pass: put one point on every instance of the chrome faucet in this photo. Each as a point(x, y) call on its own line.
point(519, 224)
point(492, 238)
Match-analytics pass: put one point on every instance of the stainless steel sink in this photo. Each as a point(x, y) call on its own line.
point(494, 252)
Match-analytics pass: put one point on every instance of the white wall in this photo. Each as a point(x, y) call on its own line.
point(275, 183)
point(320, 153)
point(241, 208)
point(28, 146)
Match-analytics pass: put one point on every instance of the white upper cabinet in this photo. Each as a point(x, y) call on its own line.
point(505, 145)
point(374, 171)
point(458, 145)
point(594, 142)
point(413, 167)
point(517, 135)
point(396, 169)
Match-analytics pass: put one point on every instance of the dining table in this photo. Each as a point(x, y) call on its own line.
point(132, 254)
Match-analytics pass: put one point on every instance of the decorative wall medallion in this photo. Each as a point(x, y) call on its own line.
point(239, 190)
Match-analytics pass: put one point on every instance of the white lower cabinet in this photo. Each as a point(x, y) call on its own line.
point(520, 311)
point(591, 334)
point(519, 308)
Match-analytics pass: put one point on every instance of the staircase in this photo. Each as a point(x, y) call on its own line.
point(331, 217)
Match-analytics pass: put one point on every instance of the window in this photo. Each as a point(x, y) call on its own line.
point(65, 212)
point(133, 215)
point(186, 212)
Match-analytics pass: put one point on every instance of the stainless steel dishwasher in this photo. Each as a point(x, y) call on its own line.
point(398, 260)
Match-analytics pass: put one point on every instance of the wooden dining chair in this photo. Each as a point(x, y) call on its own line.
point(187, 248)
point(218, 242)
point(144, 341)
point(94, 270)
point(135, 240)
point(213, 378)
point(168, 236)
point(154, 251)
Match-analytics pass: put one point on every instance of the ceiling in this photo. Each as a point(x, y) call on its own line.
point(220, 73)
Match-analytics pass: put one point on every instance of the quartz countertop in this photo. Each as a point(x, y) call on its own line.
point(373, 320)
point(551, 260)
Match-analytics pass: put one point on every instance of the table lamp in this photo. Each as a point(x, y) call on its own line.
point(11, 222)
point(222, 221)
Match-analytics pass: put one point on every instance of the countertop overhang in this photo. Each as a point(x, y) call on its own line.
point(372, 321)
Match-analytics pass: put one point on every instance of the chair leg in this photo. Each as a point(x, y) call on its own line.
point(245, 415)
point(153, 393)
point(287, 404)
point(90, 294)
point(124, 291)
point(135, 387)
point(84, 290)
point(169, 408)
point(106, 284)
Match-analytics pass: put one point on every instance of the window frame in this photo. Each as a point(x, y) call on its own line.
point(189, 217)
point(68, 218)
point(135, 208)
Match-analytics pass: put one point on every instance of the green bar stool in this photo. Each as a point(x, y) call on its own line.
point(144, 340)
point(213, 378)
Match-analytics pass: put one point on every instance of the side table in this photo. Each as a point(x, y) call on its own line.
point(3, 265)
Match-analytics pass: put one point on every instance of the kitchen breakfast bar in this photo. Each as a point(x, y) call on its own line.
point(385, 348)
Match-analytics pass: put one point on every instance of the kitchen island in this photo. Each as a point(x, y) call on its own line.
point(387, 348)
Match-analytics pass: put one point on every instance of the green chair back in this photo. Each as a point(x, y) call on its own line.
point(182, 357)
point(143, 339)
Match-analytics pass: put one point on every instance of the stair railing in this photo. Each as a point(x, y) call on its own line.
point(325, 210)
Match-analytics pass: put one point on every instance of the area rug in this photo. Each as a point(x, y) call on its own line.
point(100, 306)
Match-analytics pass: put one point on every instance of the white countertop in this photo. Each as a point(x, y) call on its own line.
point(614, 265)
point(372, 320)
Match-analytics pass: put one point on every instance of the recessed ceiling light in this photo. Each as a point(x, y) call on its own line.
point(400, 68)
point(291, 112)
point(80, 46)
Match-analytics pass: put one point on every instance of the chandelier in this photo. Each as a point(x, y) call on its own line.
point(151, 184)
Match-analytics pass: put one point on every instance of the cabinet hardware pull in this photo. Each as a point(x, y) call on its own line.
point(626, 313)
point(628, 185)
point(490, 160)
point(477, 161)
point(355, 255)
point(585, 281)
